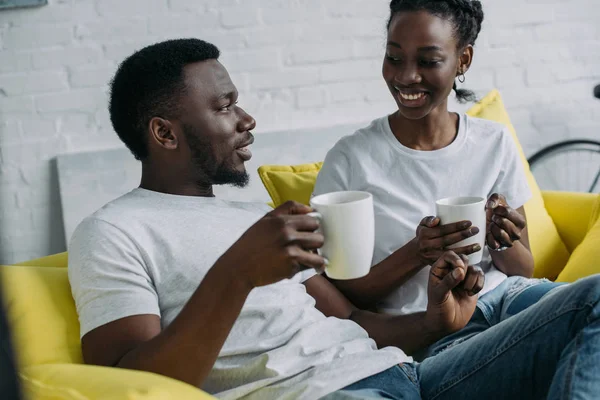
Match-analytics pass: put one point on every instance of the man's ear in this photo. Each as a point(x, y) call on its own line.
point(162, 132)
point(464, 60)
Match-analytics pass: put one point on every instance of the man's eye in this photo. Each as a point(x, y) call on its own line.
point(228, 106)
point(392, 58)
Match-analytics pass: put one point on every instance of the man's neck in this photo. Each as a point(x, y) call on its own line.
point(177, 185)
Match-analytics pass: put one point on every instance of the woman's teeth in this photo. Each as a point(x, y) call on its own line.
point(411, 96)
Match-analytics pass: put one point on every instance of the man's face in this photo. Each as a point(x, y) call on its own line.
point(216, 130)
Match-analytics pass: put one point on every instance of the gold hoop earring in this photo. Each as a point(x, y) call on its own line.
point(462, 78)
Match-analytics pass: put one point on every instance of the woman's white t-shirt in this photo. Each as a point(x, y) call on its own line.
point(405, 183)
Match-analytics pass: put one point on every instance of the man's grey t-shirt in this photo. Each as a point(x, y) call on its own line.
point(147, 252)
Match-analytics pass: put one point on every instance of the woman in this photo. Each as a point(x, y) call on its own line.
point(422, 153)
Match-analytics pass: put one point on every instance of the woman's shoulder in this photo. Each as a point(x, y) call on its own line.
point(486, 130)
point(363, 138)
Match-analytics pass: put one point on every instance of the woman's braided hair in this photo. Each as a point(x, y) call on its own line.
point(467, 16)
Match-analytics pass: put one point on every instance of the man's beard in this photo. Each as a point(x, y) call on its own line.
point(203, 159)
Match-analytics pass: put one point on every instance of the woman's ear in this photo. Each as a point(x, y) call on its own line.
point(464, 60)
point(163, 134)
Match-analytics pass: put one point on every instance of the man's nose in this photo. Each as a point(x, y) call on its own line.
point(246, 121)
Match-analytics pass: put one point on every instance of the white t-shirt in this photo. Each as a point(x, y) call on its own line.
point(147, 252)
point(405, 183)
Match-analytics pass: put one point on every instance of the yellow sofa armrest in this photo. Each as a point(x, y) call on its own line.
point(573, 214)
point(78, 382)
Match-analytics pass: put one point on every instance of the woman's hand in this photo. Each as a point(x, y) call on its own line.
point(504, 224)
point(432, 239)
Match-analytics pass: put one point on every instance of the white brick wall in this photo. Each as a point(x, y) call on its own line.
point(297, 63)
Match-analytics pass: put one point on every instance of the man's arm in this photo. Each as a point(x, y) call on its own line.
point(186, 349)
point(451, 292)
point(275, 248)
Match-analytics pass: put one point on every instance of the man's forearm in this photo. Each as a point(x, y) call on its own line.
point(383, 279)
point(408, 332)
point(188, 348)
point(514, 261)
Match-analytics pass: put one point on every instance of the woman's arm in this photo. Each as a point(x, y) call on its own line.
point(429, 244)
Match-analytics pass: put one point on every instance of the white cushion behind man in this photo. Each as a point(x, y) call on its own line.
point(147, 252)
point(405, 184)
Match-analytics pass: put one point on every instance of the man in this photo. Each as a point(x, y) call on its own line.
point(171, 280)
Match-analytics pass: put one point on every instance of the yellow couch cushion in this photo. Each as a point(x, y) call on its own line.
point(86, 382)
point(41, 313)
point(585, 260)
point(573, 213)
point(549, 251)
point(289, 182)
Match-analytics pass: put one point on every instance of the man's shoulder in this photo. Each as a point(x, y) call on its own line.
point(117, 214)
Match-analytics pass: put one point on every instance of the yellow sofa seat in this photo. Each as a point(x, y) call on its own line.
point(45, 328)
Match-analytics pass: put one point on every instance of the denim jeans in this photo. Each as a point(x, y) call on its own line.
point(528, 339)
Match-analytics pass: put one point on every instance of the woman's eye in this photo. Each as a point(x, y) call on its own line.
point(392, 58)
point(430, 63)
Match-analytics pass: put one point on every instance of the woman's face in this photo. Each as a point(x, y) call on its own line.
point(422, 62)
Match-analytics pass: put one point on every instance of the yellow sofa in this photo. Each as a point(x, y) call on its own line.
point(45, 327)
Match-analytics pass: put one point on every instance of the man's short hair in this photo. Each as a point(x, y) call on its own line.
point(150, 84)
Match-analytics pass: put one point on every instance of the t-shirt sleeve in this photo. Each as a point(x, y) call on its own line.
point(512, 182)
point(108, 276)
point(335, 173)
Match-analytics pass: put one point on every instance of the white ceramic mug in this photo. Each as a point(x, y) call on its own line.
point(348, 225)
point(455, 209)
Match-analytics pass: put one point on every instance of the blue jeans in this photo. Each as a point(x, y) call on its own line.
point(528, 339)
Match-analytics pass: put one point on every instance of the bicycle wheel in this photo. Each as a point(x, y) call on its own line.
point(571, 165)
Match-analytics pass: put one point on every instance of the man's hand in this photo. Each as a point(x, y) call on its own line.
point(504, 224)
point(433, 239)
point(452, 291)
point(277, 247)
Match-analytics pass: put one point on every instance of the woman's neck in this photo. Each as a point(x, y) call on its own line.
point(433, 132)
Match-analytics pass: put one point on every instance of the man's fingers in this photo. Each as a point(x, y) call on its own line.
point(309, 240)
point(291, 208)
point(480, 282)
point(305, 259)
point(471, 279)
point(302, 222)
point(449, 271)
